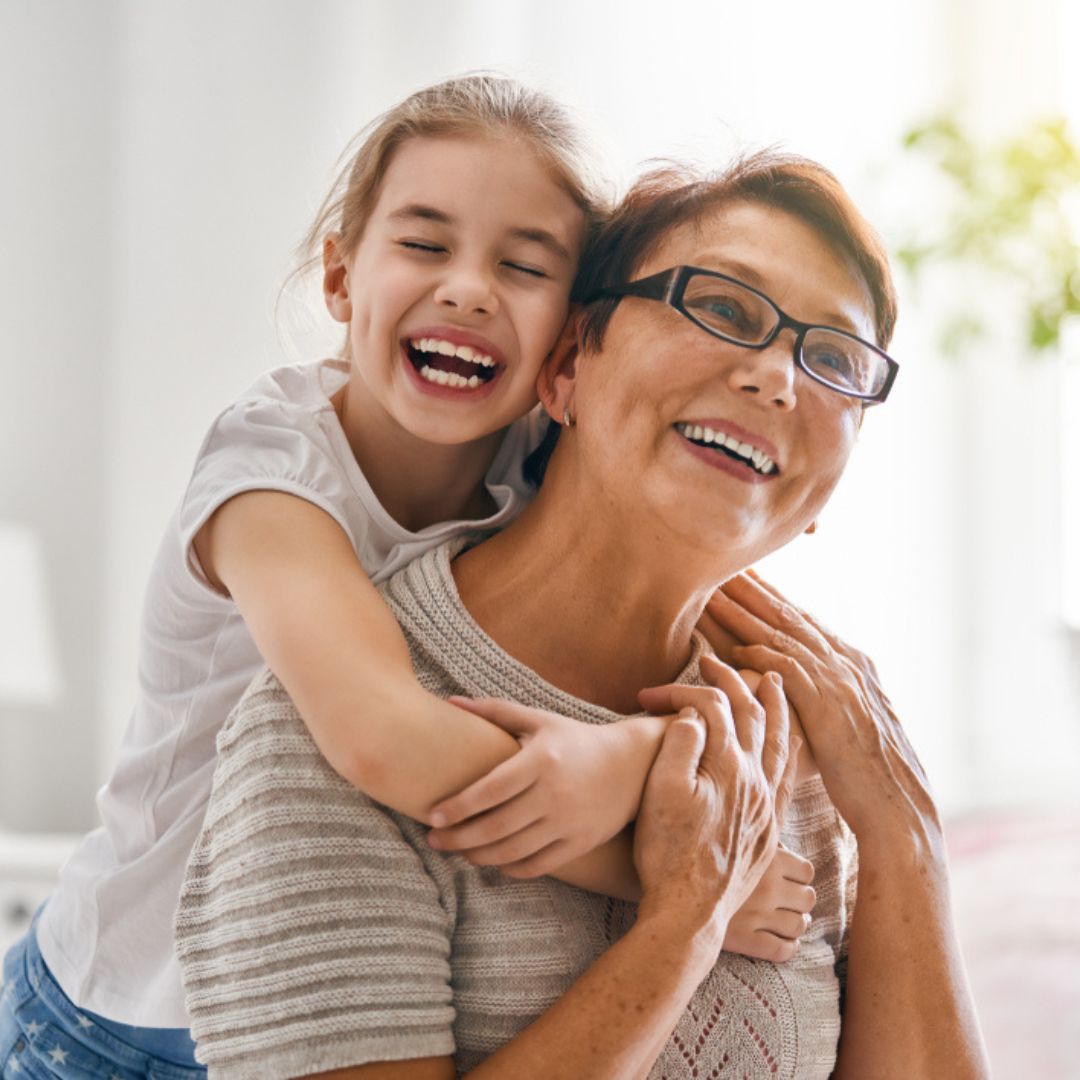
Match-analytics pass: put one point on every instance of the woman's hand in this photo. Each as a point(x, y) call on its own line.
point(708, 825)
point(870, 770)
point(571, 787)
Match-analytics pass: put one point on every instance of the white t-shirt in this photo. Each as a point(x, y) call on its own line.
point(107, 932)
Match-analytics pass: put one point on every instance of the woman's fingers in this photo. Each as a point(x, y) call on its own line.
point(745, 710)
point(757, 616)
point(504, 782)
point(798, 685)
point(680, 753)
point(481, 830)
point(776, 728)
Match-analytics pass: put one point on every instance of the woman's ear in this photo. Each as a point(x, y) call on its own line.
point(336, 279)
point(555, 383)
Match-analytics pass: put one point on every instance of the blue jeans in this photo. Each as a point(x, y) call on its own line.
point(44, 1036)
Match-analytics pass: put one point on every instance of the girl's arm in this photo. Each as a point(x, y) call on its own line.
point(708, 822)
point(326, 633)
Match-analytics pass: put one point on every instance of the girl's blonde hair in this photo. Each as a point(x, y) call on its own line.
point(478, 104)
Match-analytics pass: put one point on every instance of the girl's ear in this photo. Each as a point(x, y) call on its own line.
point(555, 383)
point(336, 279)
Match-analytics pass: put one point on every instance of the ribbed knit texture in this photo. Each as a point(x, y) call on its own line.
point(317, 929)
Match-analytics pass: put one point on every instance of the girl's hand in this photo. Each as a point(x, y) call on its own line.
point(565, 793)
point(708, 825)
point(777, 913)
point(869, 768)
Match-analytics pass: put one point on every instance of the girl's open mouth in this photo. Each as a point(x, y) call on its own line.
point(458, 367)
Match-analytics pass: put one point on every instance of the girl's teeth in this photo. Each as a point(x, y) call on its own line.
point(447, 348)
point(450, 378)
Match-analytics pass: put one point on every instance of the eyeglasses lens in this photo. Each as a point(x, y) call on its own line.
point(741, 316)
point(727, 308)
point(844, 362)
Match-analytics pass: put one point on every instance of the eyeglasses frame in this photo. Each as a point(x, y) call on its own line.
point(669, 287)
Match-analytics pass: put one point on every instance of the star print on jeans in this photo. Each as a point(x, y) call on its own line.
point(59, 1057)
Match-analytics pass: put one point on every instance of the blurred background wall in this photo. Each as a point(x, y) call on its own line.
point(161, 160)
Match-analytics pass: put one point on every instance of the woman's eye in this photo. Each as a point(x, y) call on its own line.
point(722, 311)
point(421, 245)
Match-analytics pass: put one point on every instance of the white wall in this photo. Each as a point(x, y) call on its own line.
point(205, 133)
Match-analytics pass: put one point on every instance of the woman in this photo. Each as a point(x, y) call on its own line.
point(709, 401)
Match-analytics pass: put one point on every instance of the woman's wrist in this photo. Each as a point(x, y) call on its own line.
point(694, 935)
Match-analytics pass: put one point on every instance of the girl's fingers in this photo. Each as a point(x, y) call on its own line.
point(775, 949)
point(800, 899)
point(795, 868)
point(509, 715)
point(507, 780)
point(528, 841)
point(487, 828)
point(541, 863)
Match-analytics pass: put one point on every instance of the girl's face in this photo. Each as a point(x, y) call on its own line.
point(459, 286)
point(643, 403)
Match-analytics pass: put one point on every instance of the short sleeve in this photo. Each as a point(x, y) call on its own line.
point(262, 445)
point(310, 936)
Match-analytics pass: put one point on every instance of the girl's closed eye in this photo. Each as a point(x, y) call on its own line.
point(425, 246)
point(525, 268)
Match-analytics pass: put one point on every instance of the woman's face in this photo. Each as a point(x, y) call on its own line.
point(658, 377)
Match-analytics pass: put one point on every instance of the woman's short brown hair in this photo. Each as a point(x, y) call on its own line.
point(673, 195)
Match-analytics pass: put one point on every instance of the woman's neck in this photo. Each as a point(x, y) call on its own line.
point(418, 483)
point(598, 609)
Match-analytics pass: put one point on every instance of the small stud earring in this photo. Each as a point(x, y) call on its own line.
point(811, 528)
point(567, 419)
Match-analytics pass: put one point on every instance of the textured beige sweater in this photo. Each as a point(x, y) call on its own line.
point(317, 929)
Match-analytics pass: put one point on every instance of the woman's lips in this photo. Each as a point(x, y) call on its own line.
point(718, 459)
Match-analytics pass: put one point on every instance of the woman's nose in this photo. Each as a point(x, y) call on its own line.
point(768, 374)
point(467, 289)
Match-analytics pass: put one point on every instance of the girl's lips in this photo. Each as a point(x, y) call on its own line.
point(454, 393)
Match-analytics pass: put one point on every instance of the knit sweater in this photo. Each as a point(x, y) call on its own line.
point(317, 929)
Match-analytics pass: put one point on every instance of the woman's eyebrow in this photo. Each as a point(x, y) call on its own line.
point(532, 235)
point(748, 275)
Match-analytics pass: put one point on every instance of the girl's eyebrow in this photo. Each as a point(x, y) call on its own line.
point(531, 235)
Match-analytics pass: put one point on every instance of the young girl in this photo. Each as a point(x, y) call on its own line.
point(449, 248)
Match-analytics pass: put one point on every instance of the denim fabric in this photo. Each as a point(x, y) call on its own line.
point(43, 1036)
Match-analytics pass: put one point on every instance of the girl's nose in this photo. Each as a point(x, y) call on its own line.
point(468, 290)
point(768, 374)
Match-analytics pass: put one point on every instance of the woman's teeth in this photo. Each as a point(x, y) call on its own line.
point(448, 348)
point(705, 436)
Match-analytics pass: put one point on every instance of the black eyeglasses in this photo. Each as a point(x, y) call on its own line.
point(734, 312)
